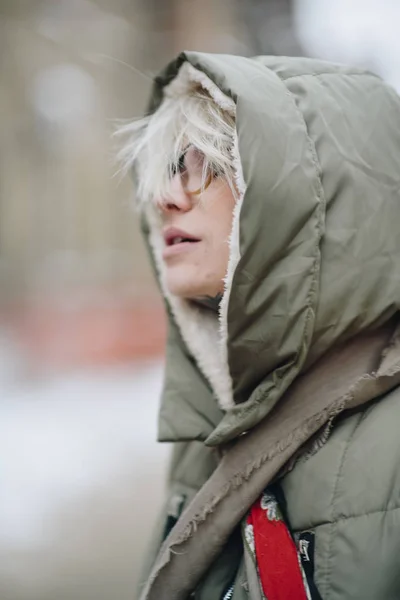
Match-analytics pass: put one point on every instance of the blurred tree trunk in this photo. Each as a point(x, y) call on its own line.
point(267, 27)
point(197, 26)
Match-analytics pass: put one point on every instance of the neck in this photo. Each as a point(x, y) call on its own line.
point(210, 302)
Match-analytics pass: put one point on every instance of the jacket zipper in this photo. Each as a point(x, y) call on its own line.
point(228, 595)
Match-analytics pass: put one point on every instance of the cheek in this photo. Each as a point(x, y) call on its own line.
point(220, 237)
point(223, 222)
point(212, 263)
point(214, 256)
point(215, 217)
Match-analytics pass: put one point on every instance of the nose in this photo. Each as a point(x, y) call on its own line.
point(178, 200)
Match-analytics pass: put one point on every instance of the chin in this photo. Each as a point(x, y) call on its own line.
point(186, 286)
point(184, 289)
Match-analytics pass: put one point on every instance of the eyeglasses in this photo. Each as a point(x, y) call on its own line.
point(191, 171)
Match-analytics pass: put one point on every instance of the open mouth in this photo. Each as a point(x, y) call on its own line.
point(180, 240)
point(174, 236)
point(177, 240)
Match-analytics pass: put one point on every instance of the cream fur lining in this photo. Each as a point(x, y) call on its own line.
point(199, 328)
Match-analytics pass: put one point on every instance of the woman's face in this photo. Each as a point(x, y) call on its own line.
point(196, 228)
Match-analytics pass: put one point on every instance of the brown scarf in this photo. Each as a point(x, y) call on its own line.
point(359, 371)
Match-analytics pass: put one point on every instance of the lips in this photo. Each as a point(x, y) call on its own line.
point(174, 236)
point(177, 241)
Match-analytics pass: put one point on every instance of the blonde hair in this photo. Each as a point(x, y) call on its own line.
point(155, 143)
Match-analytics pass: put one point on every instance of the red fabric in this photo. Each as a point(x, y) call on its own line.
point(276, 555)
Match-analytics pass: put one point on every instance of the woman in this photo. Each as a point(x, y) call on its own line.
point(270, 193)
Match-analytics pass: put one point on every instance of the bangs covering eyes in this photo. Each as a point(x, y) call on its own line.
point(177, 167)
point(202, 165)
point(195, 171)
point(190, 135)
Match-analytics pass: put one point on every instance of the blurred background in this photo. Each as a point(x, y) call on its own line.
point(81, 324)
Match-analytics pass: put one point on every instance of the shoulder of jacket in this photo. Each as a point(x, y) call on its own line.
point(355, 472)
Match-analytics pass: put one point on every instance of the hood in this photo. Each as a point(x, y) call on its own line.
point(315, 243)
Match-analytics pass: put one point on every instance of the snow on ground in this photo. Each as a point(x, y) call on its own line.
point(60, 437)
point(80, 473)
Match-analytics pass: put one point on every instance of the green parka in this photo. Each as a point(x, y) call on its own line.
point(318, 266)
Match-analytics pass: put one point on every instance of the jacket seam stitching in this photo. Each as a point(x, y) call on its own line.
point(348, 517)
point(320, 212)
point(319, 225)
point(334, 498)
point(328, 73)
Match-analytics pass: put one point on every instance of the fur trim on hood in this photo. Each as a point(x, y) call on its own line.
point(206, 338)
